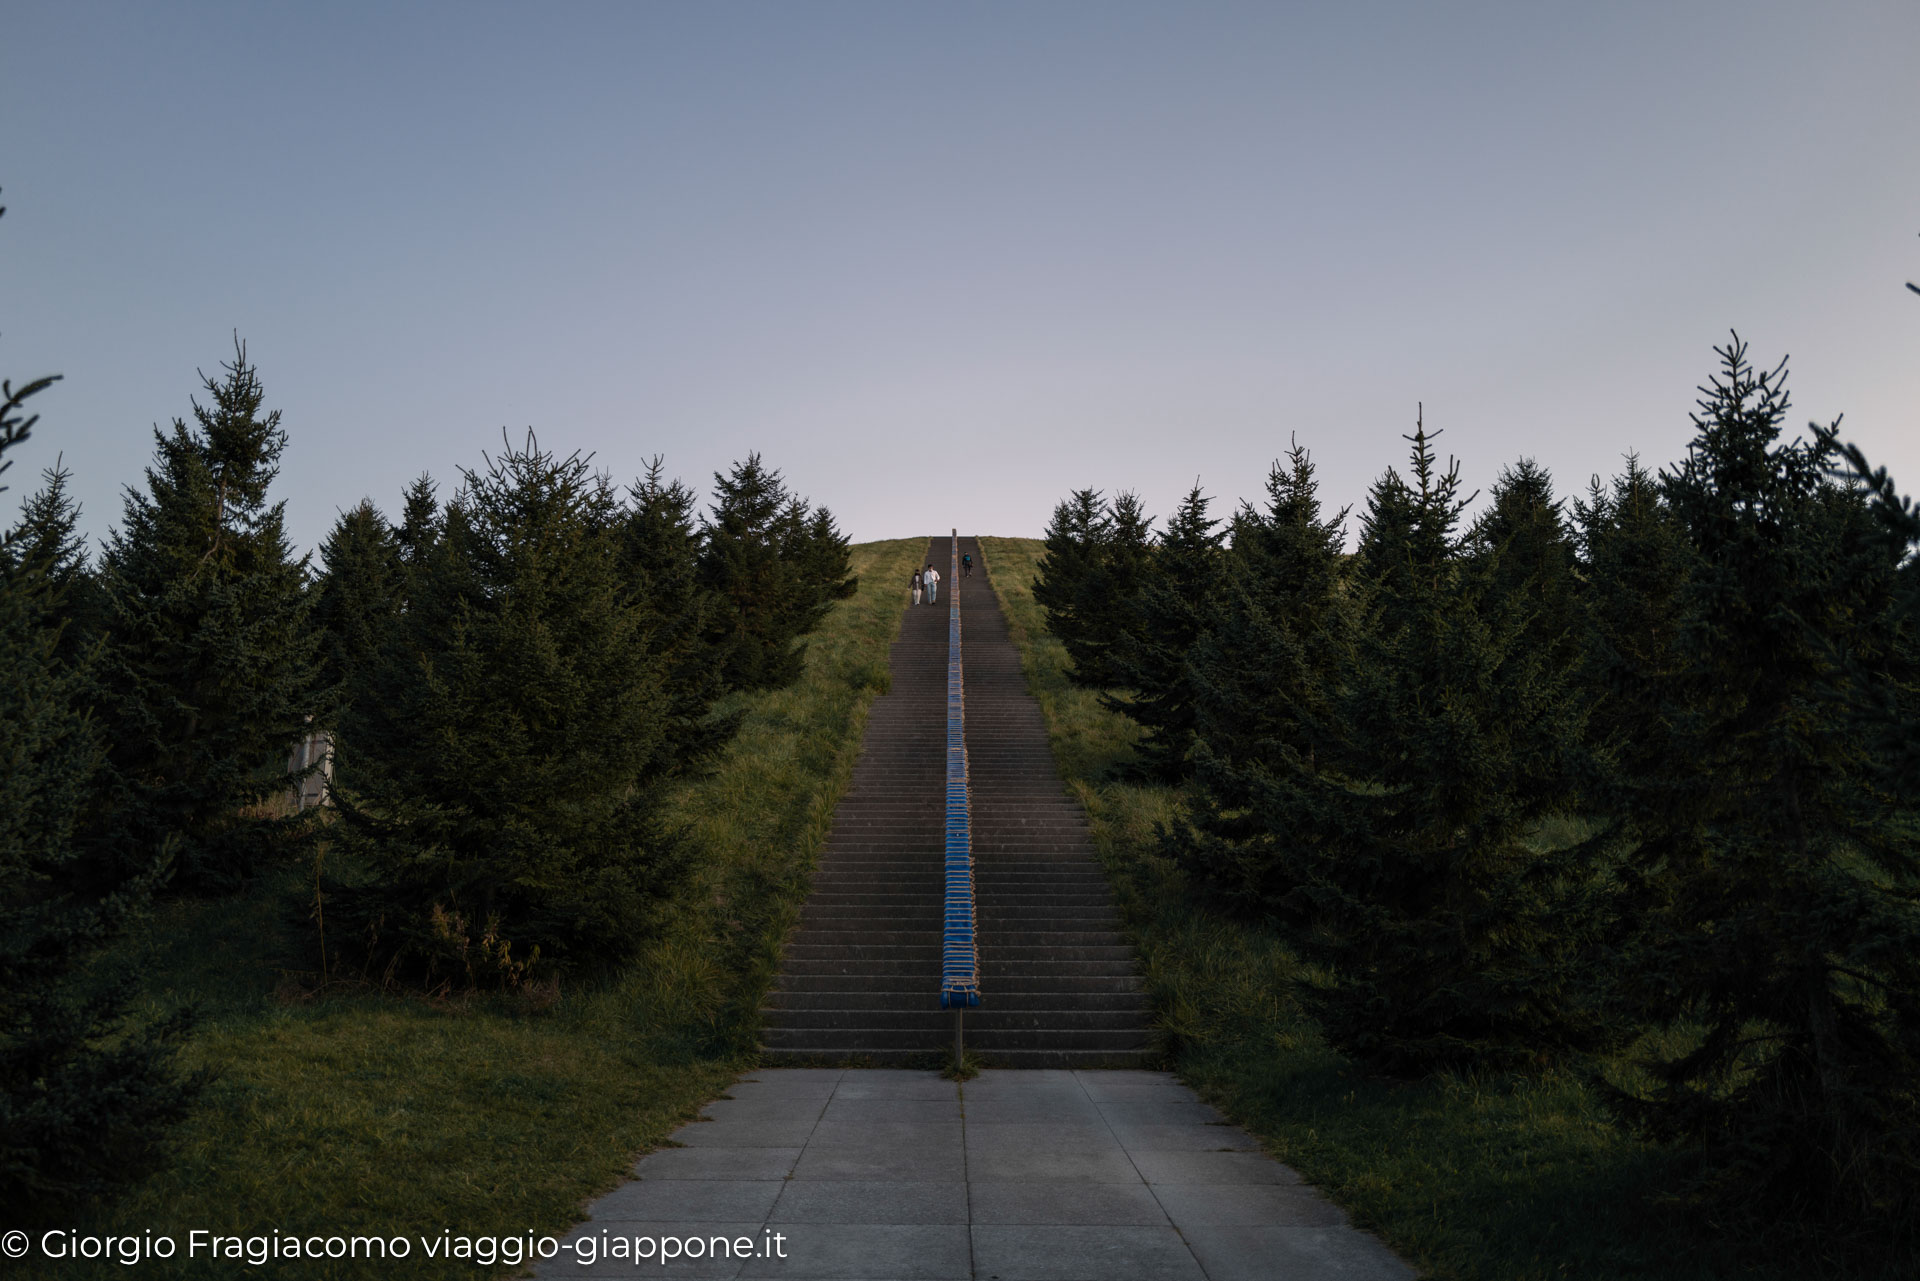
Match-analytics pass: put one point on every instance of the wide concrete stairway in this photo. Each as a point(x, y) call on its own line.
point(861, 977)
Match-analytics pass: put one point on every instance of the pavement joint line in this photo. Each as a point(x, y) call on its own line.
point(1140, 1174)
point(966, 1161)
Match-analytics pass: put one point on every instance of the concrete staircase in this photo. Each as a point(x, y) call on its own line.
point(861, 977)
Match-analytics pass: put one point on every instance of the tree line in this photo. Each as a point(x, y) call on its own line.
point(511, 676)
point(1624, 784)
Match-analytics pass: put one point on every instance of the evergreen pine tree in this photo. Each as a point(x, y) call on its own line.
point(86, 1094)
point(1446, 935)
point(1635, 558)
point(1525, 550)
point(660, 549)
point(1107, 597)
point(776, 567)
point(502, 796)
point(1256, 678)
point(1885, 703)
point(1177, 605)
point(1779, 932)
point(420, 521)
point(48, 535)
point(212, 669)
point(1076, 541)
point(360, 593)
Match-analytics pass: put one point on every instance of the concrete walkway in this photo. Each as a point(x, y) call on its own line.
point(896, 1175)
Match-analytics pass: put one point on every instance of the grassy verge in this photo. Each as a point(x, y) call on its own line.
point(1466, 1177)
point(356, 1113)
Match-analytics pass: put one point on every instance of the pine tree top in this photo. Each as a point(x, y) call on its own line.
point(206, 502)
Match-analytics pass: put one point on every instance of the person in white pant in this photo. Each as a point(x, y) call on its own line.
point(932, 577)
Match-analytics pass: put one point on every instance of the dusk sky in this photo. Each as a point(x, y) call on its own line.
point(941, 264)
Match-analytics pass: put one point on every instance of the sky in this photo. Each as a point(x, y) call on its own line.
point(943, 263)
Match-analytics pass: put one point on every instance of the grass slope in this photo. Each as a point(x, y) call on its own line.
point(1466, 1177)
point(358, 1112)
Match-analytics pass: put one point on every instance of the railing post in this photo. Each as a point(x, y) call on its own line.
point(960, 949)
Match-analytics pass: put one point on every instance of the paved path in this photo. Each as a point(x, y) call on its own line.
point(897, 1175)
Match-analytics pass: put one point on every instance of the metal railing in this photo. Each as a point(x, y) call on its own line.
point(960, 946)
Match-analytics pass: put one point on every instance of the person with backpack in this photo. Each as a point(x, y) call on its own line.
point(966, 565)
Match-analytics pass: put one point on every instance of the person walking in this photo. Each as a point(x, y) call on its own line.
point(966, 565)
point(915, 584)
point(932, 578)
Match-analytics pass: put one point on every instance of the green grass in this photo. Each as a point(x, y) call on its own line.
point(1505, 1178)
point(361, 1112)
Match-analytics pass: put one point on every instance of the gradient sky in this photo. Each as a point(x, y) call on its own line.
point(941, 263)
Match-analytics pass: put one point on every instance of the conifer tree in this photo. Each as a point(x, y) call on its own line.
point(48, 535)
point(503, 793)
point(212, 669)
point(360, 593)
point(1886, 704)
point(1636, 558)
point(1525, 550)
point(1446, 936)
point(1176, 606)
point(1258, 677)
point(1076, 541)
point(1780, 935)
point(86, 1094)
point(420, 521)
point(776, 567)
point(660, 549)
point(1107, 597)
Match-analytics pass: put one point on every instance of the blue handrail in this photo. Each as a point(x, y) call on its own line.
point(960, 948)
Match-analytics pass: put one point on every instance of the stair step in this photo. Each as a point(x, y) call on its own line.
point(859, 980)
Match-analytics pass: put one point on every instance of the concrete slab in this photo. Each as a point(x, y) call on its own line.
point(990, 1085)
point(1262, 1253)
point(869, 1201)
point(870, 1252)
point(1040, 1165)
point(889, 1175)
point(1132, 1085)
point(1212, 1167)
point(1036, 1136)
point(1086, 1204)
point(1031, 1111)
point(888, 1134)
point(1158, 1112)
point(867, 1162)
point(887, 1083)
point(1246, 1205)
point(868, 1111)
point(690, 1200)
point(1083, 1254)
point(1184, 1138)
